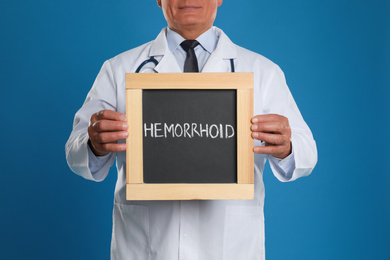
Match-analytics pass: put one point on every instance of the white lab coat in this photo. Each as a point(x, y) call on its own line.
point(202, 230)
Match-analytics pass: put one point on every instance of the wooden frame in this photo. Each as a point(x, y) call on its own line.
point(136, 189)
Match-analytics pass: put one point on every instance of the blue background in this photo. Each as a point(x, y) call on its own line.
point(335, 55)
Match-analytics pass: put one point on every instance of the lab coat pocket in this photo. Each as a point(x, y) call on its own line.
point(244, 233)
point(131, 236)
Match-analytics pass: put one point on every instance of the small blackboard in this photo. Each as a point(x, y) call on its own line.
point(189, 136)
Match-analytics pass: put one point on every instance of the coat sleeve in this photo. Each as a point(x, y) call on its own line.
point(80, 159)
point(277, 99)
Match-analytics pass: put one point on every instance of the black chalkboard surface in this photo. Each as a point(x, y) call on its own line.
point(189, 136)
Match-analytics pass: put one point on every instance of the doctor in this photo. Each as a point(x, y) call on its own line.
point(199, 230)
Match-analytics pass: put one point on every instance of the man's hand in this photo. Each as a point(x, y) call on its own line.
point(105, 129)
point(275, 131)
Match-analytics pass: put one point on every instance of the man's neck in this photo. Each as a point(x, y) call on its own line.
point(189, 33)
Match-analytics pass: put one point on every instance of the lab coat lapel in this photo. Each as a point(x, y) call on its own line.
point(168, 64)
point(160, 50)
point(219, 60)
point(216, 64)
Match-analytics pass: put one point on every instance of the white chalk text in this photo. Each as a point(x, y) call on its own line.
point(188, 130)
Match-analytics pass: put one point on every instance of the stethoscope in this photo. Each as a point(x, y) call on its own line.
point(152, 59)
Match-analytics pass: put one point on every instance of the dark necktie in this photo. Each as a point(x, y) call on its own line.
point(191, 63)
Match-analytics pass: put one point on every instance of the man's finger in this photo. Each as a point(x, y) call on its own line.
point(109, 137)
point(111, 115)
point(274, 139)
point(109, 126)
point(270, 127)
point(274, 150)
point(109, 147)
point(268, 118)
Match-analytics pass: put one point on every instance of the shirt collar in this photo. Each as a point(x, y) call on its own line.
point(208, 40)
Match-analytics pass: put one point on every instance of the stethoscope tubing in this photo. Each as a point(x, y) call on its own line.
point(152, 59)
